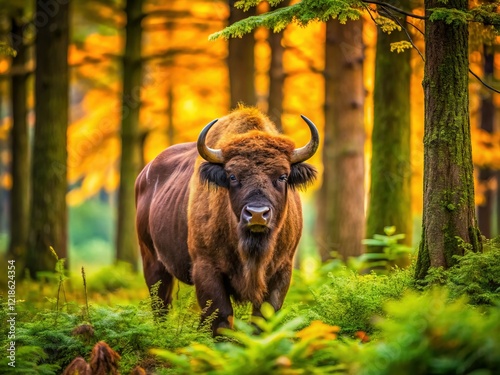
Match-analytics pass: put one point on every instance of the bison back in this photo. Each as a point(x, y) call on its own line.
point(162, 192)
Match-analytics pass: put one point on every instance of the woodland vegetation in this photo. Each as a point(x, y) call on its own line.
point(398, 270)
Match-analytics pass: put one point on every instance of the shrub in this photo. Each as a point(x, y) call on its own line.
point(112, 278)
point(349, 300)
point(475, 275)
point(426, 334)
point(278, 349)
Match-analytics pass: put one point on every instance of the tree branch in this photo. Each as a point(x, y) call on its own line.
point(484, 83)
point(399, 10)
point(395, 19)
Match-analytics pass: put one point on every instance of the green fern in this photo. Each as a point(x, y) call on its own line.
point(475, 275)
point(29, 361)
point(280, 348)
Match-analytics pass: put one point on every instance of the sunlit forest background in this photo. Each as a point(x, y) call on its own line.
point(144, 75)
point(185, 84)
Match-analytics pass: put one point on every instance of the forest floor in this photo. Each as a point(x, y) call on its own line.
point(334, 320)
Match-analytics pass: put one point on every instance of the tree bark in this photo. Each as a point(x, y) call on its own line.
point(276, 75)
point(131, 158)
point(341, 219)
point(449, 211)
point(49, 183)
point(486, 174)
point(240, 61)
point(390, 189)
point(20, 169)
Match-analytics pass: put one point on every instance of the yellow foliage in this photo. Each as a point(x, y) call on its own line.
point(4, 65)
point(318, 330)
point(486, 148)
point(6, 181)
point(5, 127)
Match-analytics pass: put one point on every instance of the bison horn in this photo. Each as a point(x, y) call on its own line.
point(209, 154)
point(302, 154)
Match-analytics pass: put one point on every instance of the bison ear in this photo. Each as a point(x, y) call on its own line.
point(215, 174)
point(302, 175)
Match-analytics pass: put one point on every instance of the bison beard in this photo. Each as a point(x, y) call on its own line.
point(254, 244)
point(237, 239)
point(255, 251)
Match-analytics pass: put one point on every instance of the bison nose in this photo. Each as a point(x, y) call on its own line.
point(254, 215)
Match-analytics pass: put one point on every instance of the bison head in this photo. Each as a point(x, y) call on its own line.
point(257, 168)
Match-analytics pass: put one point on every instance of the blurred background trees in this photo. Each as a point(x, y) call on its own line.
point(143, 75)
point(48, 224)
point(131, 150)
point(341, 217)
point(390, 172)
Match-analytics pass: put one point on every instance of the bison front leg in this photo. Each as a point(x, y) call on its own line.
point(276, 290)
point(212, 296)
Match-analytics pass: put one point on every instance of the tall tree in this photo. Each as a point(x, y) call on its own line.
point(131, 157)
point(390, 182)
point(341, 215)
point(449, 212)
point(20, 192)
point(276, 75)
point(48, 213)
point(240, 62)
point(486, 174)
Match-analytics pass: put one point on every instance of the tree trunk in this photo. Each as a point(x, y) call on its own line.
point(449, 211)
point(20, 192)
point(390, 189)
point(240, 61)
point(276, 75)
point(131, 158)
point(486, 174)
point(341, 219)
point(48, 213)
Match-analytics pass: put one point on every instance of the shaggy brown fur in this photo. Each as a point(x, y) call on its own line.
point(191, 216)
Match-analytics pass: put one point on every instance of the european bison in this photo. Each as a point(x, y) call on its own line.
point(224, 213)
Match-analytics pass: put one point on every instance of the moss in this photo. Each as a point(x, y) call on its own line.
point(423, 259)
point(451, 246)
point(476, 239)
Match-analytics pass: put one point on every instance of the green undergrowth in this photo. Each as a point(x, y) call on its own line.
point(131, 330)
point(475, 275)
point(334, 320)
point(422, 333)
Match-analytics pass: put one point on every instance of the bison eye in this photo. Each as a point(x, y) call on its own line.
point(283, 178)
point(232, 177)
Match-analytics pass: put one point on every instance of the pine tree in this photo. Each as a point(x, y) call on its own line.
point(449, 211)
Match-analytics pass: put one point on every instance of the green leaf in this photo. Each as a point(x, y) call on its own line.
point(450, 16)
point(390, 230)
point(373, 242)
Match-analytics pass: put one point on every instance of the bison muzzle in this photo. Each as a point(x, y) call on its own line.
point(224, 213)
